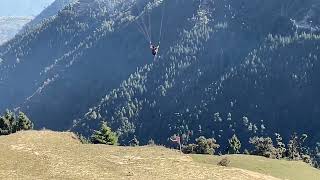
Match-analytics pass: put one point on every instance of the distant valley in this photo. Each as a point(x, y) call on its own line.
point(10, 26)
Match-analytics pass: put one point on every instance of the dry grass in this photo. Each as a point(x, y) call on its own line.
point(292, 170)
point(52, 155)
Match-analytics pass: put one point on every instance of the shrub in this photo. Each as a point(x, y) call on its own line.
point(306, 158)
point(202, 146)
point(151, 142)
point(246, 152)
point(206, 146)
point(189, 149)
point(263, 147)
point(82, 139)
point(224, 162)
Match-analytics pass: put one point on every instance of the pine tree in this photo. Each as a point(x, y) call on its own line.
point(296, 150)
point(280, 147)
point(7, 123)
point(293, 148)
point(10, 123)
point(23, 122)
point(234, 145)
point(4, 126)
point(134, 141)
point(104, 136)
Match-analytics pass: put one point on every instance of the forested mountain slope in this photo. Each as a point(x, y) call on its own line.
point(242, 67)
point(72, 60)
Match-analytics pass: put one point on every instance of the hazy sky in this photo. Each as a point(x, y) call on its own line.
point(22, 7)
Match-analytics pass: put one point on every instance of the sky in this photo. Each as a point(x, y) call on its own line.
point(22, 7)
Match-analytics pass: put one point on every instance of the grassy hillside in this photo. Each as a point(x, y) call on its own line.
point(283, 169)
point(53, 155)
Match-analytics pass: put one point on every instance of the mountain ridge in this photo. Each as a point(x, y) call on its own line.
point(48, 12)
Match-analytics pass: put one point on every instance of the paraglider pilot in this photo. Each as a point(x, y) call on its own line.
point(154, 49)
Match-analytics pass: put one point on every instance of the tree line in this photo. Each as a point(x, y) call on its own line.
point(10, 122)
point(294, 149)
